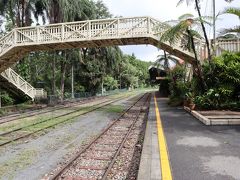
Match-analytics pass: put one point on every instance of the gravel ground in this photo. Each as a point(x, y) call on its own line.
point(127, 163)
point(34, 158)
point(41, 117)
point(86, 165)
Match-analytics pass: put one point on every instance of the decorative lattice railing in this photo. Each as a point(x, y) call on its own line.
point(15, 79)
point(232, 45)
point(81, 31)
point(88, 31)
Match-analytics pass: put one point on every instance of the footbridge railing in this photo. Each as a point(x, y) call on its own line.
point(81, 31)
point(232, 45)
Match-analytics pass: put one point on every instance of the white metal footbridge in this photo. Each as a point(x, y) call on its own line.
point(91, 33)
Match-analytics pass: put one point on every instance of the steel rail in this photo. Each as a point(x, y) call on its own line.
point(122, 144)
point(49, 119)
point(70, 162)
point(41, 111)
point(50, 126)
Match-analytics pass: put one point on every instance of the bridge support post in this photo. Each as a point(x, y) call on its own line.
point(15, 36)
point(62, 31)
point(0, 98)
point(238, 44)
point(118, 27)
point(38, 34)
point(148, 25)
point(72, 82)
point(89, 30)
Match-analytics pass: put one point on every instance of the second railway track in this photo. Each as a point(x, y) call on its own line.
point(17, 116)
point(23, 132)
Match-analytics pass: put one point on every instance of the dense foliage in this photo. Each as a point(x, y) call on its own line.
point(214, 84)
point(90, 69)
point(177, 86)
point(223, 83)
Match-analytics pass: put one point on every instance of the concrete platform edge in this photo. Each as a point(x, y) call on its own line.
point(208, 122)
point(150, 168)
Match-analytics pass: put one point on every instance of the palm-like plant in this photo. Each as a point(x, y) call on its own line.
point(183, 30)
point(234, 11)
point(197, 6)
point(166, 61)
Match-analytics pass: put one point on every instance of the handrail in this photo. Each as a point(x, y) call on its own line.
point(11, 76)
point(80, 30)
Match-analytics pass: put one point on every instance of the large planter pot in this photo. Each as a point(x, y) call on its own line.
point(192, 106)
point(186, 103)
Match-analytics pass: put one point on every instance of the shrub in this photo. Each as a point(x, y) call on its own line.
point(110, 83)
point(164, 88)
point(177, 86)
point(223, 83)
point(6, 99)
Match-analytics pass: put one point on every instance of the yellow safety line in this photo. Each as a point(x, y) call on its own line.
point(164, 159)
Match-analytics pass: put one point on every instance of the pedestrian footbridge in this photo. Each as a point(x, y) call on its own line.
point(91, 33)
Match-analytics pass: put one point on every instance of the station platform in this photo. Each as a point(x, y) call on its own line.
point(178, 146)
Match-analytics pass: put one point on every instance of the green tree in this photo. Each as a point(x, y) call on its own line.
point(234, 11)
point(110, 83)
point(166, 61)
point(92, 66)
point(19, 12)
point(197, 6)
point(182, 31)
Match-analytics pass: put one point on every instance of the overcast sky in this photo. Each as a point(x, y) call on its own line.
point(164, 10)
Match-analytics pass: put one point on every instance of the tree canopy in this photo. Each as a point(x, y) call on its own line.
point(91, 67)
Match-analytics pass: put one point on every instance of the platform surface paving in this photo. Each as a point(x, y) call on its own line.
point(195, 151)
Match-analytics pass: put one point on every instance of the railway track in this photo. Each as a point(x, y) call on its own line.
point(97, 159)
point(18, 116)
point(23, 132)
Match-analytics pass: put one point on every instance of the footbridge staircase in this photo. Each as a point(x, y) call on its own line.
point(15, 84)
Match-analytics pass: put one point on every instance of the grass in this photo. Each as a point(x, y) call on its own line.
point(59, 141)
point(26, 121)
point(51, 123)
point(12, 108)
point(113, 109)
point(66, 119)
point(2, 112)
point(19, 162)
point(32, 120)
